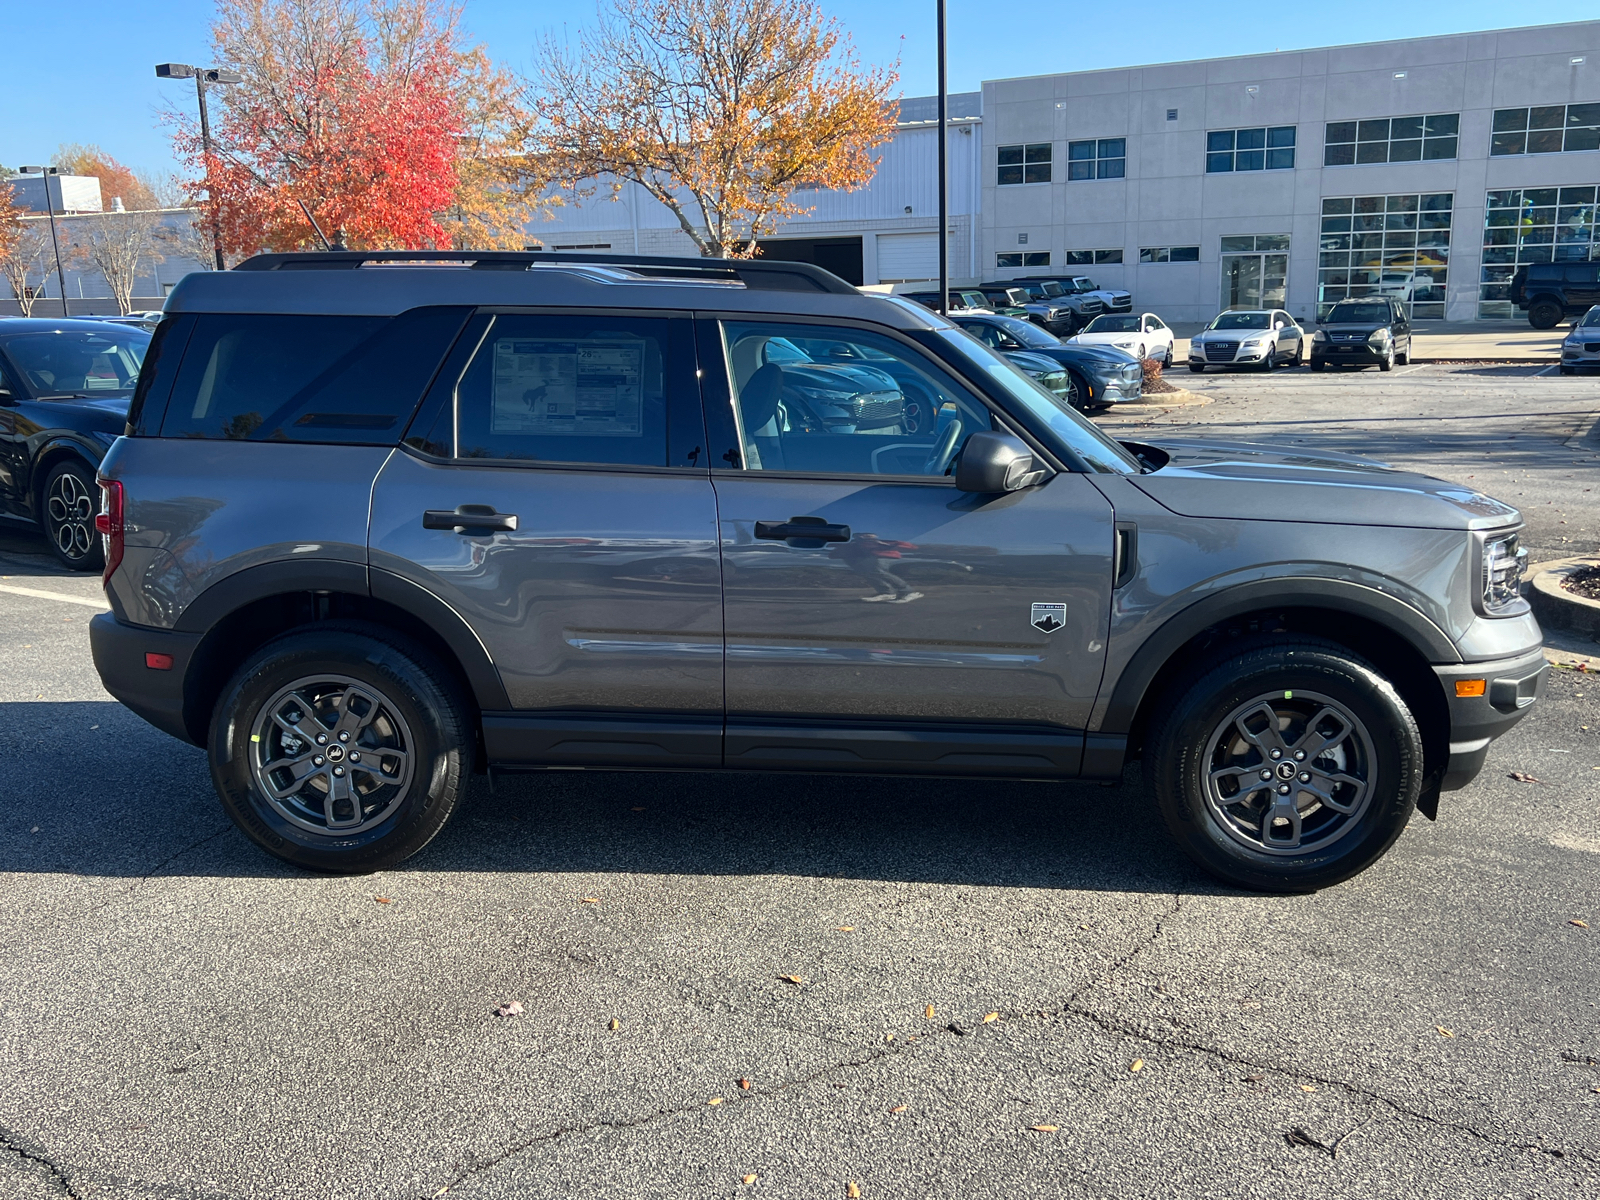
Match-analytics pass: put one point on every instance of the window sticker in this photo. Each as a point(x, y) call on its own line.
point(589, 387)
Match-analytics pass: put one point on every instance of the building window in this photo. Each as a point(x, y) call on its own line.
point(1089, 258)
point(1397, 246)
point(1025, 164)
point(1533, 225)
point(1031, 258)
point(1270, 149)
point(1545, 129)
point(1106, 158)
point(1391, 139)
point(1161, 254)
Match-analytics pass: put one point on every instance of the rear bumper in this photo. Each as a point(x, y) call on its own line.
point(119, 656)
point(1511, 687)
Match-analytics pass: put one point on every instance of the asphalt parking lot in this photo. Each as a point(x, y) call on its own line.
point(932, 989)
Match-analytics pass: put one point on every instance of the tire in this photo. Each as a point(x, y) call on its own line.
point(1544, 314)
point(1569, 370)
point(1080, 389)
point(1268, 361)
point(1140, 355)
point(1197, 368)
point(1404, 359)
point(1318, 364)
point(1166, 363)
point(1298, 358)
point(1386, 363)
point(69, 502)
point(1314, 689)
point(415, 728)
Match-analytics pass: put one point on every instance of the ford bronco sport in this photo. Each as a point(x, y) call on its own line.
point(380, 520)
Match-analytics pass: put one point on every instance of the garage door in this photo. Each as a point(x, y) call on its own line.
point(908, 257)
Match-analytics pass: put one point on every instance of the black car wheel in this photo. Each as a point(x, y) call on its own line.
point(1082, 393)
point(1197, 368)
point(70, 502)
point(1318, 364)
point(1386, 363)
point(1544, 314)
point(342, 748)
point(1166, 363)
point(1290, 765)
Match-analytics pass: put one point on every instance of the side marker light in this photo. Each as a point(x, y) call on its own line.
point(1470, 687)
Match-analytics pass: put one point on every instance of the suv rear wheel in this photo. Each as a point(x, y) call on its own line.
point(341, 747)
point(1290, 766)
point(1544, 314)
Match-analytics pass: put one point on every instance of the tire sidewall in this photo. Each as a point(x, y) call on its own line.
point(95, 559)
point(1181, 768)
point(439, 749)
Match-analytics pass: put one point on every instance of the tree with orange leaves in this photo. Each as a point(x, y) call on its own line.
point(720, 109)
point(117, 182)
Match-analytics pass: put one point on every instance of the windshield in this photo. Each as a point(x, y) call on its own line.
point(75, 362)
point(1053, 290)
point(1113, 325)
point(1031, 290)
point(1098, 452)
point(1359, 314)
point(1084, 284)
point(1026, 332)
point(1591, 318)
point(1241, 320)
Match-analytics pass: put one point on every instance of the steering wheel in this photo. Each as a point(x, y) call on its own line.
point(943, 450)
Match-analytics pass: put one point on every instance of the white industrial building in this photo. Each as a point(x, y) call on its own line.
point(1428, 168)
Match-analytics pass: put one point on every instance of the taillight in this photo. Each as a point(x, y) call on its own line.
point(109, 524)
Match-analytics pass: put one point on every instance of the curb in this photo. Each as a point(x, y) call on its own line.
point(1557, 607)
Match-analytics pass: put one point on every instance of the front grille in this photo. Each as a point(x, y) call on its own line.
point(1093, 306)
point(1591, 347)
point(878, 406)
point(1221, 351)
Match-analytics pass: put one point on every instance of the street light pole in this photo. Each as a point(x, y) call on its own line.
point(203, 76)
point(944, 177)
point(50, 207)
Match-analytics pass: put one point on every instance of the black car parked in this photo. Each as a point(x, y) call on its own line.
point(1370, 332)
point(1549, 291)
point(64, 392)
point(1101, 375)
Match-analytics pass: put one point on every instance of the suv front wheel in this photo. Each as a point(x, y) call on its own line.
point(340, 747)
point(1290, 766)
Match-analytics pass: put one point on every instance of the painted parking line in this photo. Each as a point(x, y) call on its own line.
point(1408, 370)
point(41, 594)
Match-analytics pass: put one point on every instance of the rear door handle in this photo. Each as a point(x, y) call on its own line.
point(468, 518)
point(806, 532)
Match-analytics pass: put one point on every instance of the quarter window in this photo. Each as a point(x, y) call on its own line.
point(1028, 163)
point(1268, 149)
point(1161, 254)
point(1090, 258)
point(1391, 139)
point(1545, 129)
point(1392, 246)
point(1533, 225)
point(1032, 258)
point(1104, 158)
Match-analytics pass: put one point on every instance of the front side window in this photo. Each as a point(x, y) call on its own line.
point(1267, 149)
point(1029, 163)
point(843, 401)
point(1545, 129)
point(1101, 158)
point(1391, 139)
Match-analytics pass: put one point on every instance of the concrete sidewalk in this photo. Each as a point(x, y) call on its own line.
point(1450, 341)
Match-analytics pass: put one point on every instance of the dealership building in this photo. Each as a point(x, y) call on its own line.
point(1427, 169)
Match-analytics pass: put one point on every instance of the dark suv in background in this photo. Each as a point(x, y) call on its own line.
point(1549, 291)
point(382, 519)
point(1368, 332)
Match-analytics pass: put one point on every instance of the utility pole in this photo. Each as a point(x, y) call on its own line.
point(50, 207)
point(944, 177)
point(203, 76)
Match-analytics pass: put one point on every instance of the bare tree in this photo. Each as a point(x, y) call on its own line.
point(190, 237)
point(117, 244)
point(22, 244)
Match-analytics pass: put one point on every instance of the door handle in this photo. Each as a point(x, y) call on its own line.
point(807, 532)
point(468, 518)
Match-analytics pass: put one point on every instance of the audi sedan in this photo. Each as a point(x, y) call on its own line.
point(1261, 338)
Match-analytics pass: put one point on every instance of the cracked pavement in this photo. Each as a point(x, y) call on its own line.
point(182, 1017)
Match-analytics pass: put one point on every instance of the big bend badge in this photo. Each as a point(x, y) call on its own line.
point(1047, 618)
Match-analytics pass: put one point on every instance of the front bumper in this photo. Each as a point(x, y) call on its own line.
point(1511, 688)
point(1584, 355)
point(1363, 353)
point(156, 695)
point(1119, 387)
point(1242, 356)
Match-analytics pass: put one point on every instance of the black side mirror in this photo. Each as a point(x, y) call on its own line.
point(996, 462)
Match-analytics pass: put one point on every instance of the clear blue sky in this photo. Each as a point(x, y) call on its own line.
point(82, 71)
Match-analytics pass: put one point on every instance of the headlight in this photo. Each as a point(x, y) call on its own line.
point(1503, 564)
point(1255, 343)
point(1378, 336)
point(1319, 336)
point(1122, 345)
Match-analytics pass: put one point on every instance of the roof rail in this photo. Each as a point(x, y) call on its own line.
point(770, 275)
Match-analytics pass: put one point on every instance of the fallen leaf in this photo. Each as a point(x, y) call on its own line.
point(745, 1084)
point(1524, 777)
point(591, 899)
point(1578, 923)
point(1443, 1032)
point(641, 810)
point(1254, 1078)
point(928, 1012)
point(888, 1037)
point(512, 1008)
point(1044, 1128)
point(714, 1101)
point(847, 929)
point(383, 900)
point(1138, 1065)
point(794, 979)
point(1080, 926)
point(751, 1178)
point(853, 1190)
point(898, 1108)
point(994, 1016)
point(614, 1024)
point(1308, 1087)
point(1299, 1137)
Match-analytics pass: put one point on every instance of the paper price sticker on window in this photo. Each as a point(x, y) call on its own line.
point(590, 387)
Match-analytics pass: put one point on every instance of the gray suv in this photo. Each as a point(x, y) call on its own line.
point(382, 520)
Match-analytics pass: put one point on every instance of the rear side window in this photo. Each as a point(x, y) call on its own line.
point(351, 380)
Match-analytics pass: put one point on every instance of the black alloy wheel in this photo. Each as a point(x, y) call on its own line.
point(1544, 314)
point(70, 501)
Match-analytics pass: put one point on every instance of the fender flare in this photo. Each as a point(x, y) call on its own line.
point(1133, 684)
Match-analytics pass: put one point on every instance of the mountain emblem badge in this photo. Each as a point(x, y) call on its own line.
point(1047, 618)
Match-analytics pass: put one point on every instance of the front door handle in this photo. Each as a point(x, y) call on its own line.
point(469, 518)
point(807, 533)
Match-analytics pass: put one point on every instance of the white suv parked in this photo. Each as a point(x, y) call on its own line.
point(1262, 338)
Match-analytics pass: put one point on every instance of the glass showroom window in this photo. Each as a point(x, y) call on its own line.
point(1270, 149)
point(1161, 254)
point(1255, 270)
point(1395, 246)
point(1545, 129)
point(1392, 139)
point(1532, 225)
point(1031, 258)
point(1089, 258)
point(1106, 158)
point(1025, 164)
